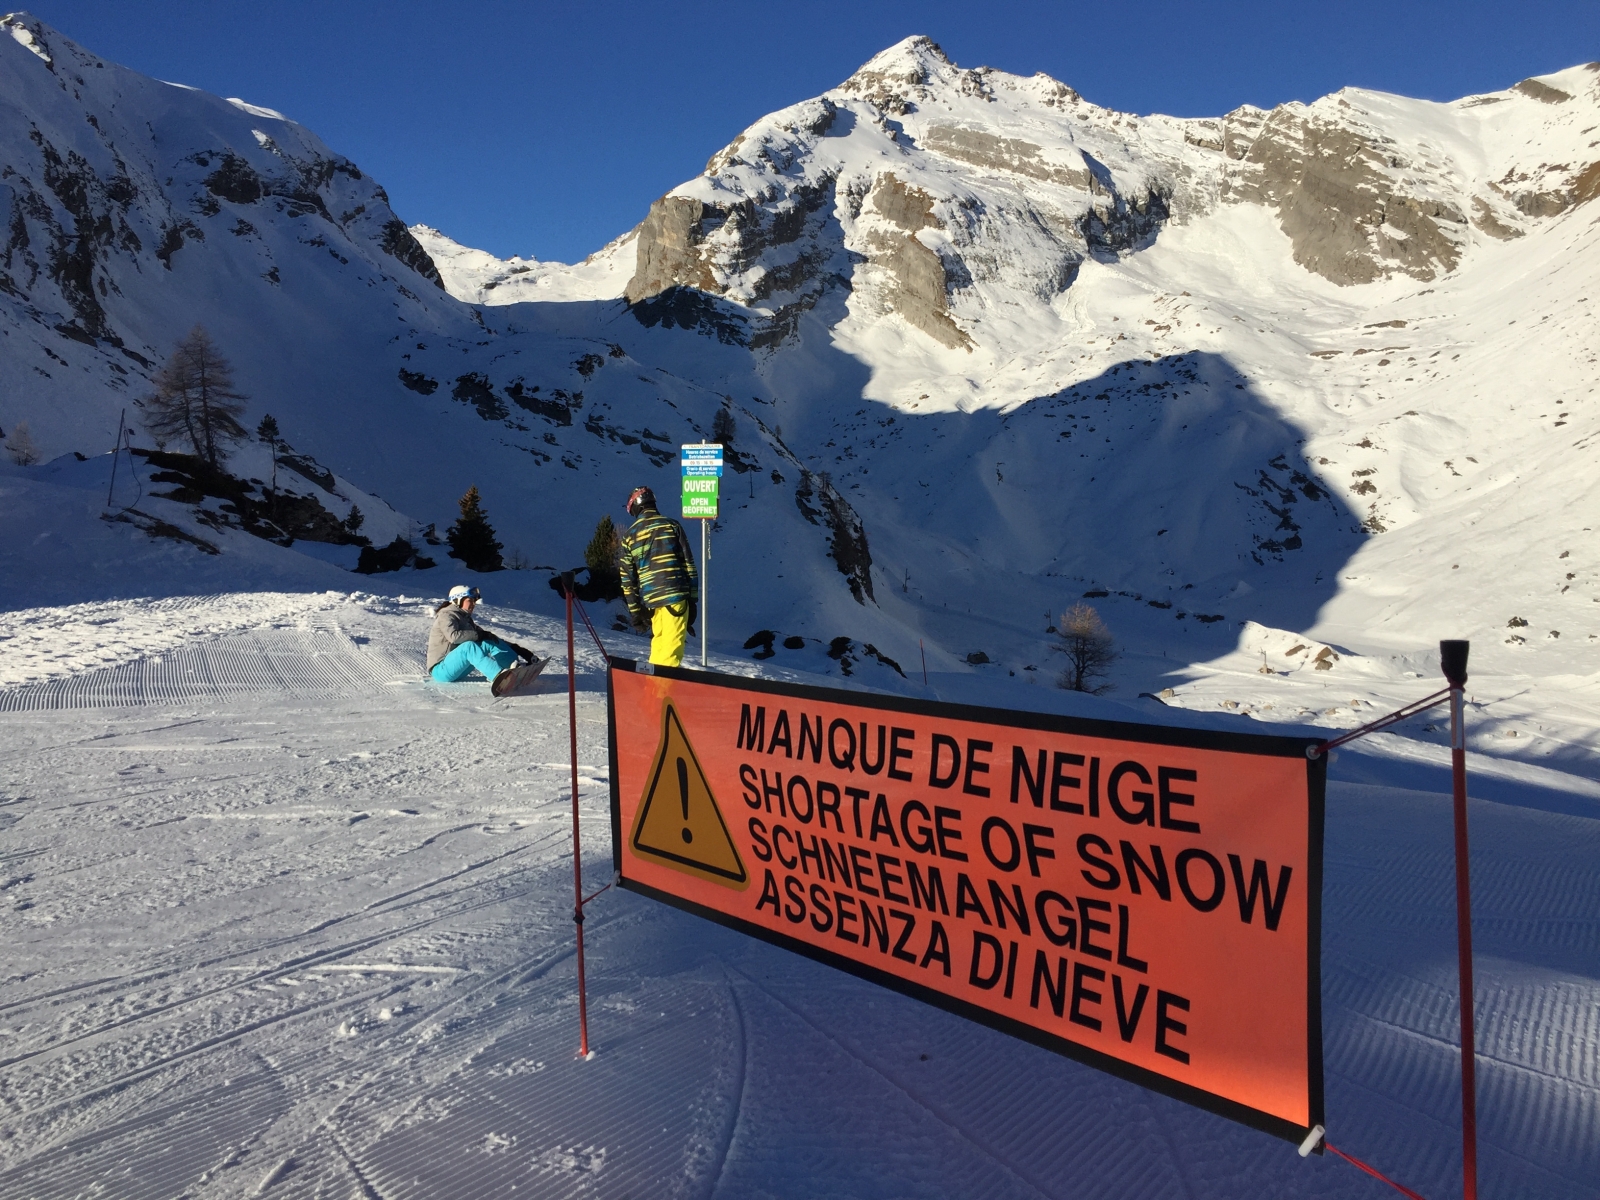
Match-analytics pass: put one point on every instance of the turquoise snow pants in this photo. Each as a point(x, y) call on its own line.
point(486, 657)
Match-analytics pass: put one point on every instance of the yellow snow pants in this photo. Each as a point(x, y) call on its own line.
point(669, 634)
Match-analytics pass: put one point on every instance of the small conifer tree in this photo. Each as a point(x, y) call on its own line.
point(472, 538)
point(267, 431)
point(723, 427)
point(601, 552)
point(600, 555)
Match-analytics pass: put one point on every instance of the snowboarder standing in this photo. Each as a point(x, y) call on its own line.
point(659, 580)
point(458, 645)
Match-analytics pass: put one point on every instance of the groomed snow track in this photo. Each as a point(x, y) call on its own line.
point(282, 920)
point(294, 662)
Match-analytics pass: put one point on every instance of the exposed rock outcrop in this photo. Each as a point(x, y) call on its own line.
point(90, 204)
point(671, 250)
point(821, 504)
point(1342, 196)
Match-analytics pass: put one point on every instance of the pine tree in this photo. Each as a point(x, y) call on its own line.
point(354, 522)
point(605, 580)
point(267, 431)
point(601, 552)
point(1087, 643)
point(723, 427)
point(194, 399)
point(472, 538)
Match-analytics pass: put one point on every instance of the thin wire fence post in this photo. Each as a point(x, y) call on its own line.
point(567, 586)
point(1453, 665)
point(1453, 659)
point(116, 453)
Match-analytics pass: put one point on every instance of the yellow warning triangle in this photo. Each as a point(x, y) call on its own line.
point(679, 823)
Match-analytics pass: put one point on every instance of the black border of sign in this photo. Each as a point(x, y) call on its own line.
point(1203, 739)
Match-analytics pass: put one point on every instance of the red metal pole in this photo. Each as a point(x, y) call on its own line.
point(577, 856)
point(1453, 658)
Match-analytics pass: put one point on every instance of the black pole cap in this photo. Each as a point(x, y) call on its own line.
point(565, 583)
point(1453, 661)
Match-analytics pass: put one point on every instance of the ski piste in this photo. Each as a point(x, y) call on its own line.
point(251, 865)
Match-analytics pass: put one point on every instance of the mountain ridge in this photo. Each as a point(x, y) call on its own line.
point(971, 374)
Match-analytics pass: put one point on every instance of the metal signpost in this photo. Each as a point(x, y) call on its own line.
point(702, 478)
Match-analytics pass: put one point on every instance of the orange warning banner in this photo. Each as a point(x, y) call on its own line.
point(1143, 899)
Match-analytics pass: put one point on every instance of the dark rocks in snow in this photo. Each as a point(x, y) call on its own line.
point(397, 555)
point(418, 382)
point(157, 528)
point(475, 389)
point(557, 410)
point(307, 467)
point(235, 181)
point(661, 455)
point(399, 242)
point(840, 650)
point(690, 308)
point(848, 544)
point(279, 516)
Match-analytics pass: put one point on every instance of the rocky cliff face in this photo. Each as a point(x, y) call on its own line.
point(911, 188)
point(934, 194)
point(96, 195)
point(988, 347)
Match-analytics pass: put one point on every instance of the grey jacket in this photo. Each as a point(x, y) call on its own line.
point(452, 627)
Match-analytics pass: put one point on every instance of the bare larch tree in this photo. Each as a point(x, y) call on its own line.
point(1087, 643)
point(194, 399)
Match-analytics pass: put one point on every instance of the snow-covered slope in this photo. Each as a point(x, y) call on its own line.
point(281, 920)
point(1287, 395)
point(478, 277)
point(1330, 366)
point(988, 347)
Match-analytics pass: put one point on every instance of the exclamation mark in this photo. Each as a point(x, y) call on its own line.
point(683, 797)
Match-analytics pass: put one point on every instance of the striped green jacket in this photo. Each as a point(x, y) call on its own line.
point(656, 564)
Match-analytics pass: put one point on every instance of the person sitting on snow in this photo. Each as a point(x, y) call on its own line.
point(659, 580)
point(458, 645)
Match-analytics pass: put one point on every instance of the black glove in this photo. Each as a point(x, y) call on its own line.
point(640, 623)
point(693, 615)
point(523, 653)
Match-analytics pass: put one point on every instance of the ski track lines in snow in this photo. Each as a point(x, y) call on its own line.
point(318, 657)
point(284, 931)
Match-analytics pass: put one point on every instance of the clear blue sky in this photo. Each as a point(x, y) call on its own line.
point(547, 129)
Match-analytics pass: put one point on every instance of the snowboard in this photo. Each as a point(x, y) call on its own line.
point(518, 680)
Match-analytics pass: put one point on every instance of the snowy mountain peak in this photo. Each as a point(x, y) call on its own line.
point(987, 348)
point(27, 30)
point(895, 77)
